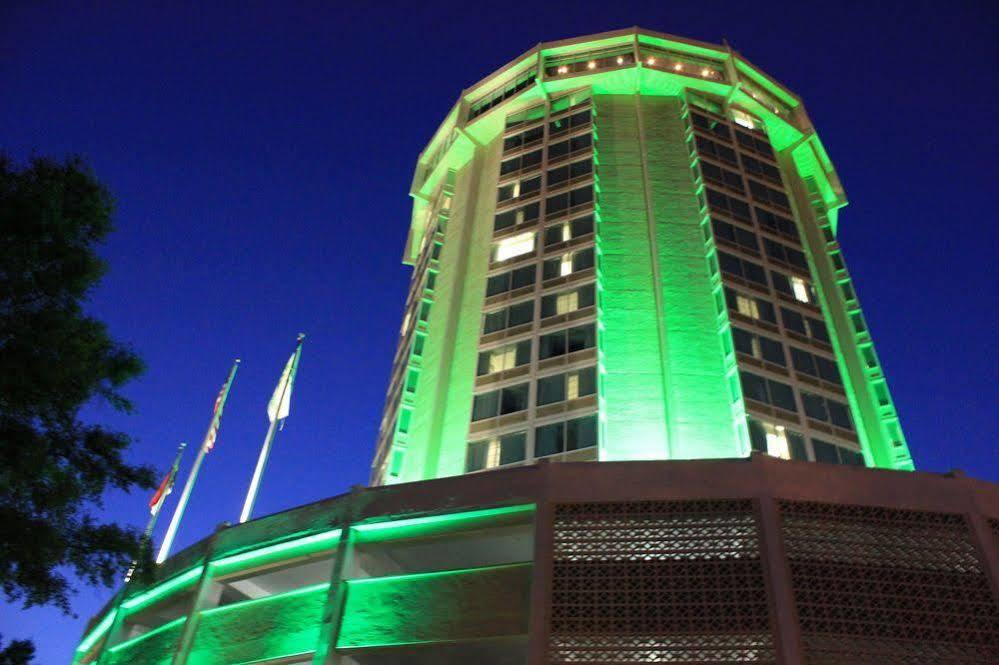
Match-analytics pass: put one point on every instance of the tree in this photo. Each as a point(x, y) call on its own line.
point(54, 360)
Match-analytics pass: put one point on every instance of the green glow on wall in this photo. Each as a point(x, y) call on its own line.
point(472, 603)
point(162, 590)
point(153, 648)
point(290, 549)
point(98, 631)
point(277, 626)
point(423, 526)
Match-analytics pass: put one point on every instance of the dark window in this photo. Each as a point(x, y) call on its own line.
point(828, 370)
point(716, 150)
point(566, 341)
point(793, 321)
point(735, 234)
point(776, 223)
point(803, 362)
point(825, 452)
point(510, 280)
point(522, 162)
point(548, 439)
point(815, 406)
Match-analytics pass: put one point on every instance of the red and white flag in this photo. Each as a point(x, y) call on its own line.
point(163, 490)
point(213, 428)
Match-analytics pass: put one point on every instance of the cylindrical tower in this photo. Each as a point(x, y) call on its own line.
point(624, 248)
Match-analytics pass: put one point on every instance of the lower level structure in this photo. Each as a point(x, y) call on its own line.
point(755, 560)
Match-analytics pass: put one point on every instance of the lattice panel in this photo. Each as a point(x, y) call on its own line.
point(876, 585)
point(658, 582)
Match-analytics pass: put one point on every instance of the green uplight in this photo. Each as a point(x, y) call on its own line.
point(297, 547)
point(164, 589)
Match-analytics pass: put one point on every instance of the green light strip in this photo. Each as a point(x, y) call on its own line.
point(764, 82)
point(97, 632)
point(304, 545)
point(155, 631)
point(434, 574)
point(322, 586)
point(450, 518)
point(163, 589)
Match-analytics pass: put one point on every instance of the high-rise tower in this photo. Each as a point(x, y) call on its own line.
point(624, 247)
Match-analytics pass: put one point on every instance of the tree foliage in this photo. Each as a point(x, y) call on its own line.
point(54, 360)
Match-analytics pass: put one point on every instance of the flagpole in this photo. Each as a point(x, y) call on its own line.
point(178, 511)
point(147, 535)
point(265, 449)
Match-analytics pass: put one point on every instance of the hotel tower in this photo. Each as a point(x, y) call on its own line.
point(625, 248)
point(635, 414)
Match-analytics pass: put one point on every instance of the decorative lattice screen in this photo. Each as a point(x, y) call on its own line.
point(886, 587)
point(658, 582)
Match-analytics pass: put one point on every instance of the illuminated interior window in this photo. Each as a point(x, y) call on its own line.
point(800, 289)
point(776, 440)
point(747, 307)
point(567, 302)
point(513, 246)
point(746, 120)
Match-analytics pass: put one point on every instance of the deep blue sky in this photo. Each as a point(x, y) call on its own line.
point(261, 156)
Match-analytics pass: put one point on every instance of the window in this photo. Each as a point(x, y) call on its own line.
point(768, 391)
point(741, 267)
point(571, 385)
point(716, 150)
point(518, 188)
point(774, 222)
point(758, 346)
point(569, 172)
point(769, 195)
point(785, 254)
point(506, 449)
point(721, 176)
point(833, 454)
point(776, 440)
point(499, 402)
point(758, 145)
point(796, 287)
point(517, 216)
point(514, 246)
point(510, 280)
point(523, 162)
point(566, 436)
point(567, 264)
point(567, 200)
point(567, 301)
point(817, 366)
point(567, 122)
point(827, 410)
point(751, 306)
point(504, 358)
point(735, 234)
point(725, 203)
point(711, 125)
point(761, 169)
point(565, 231)
point(567, 341)
point(508, 317)
point(524, 138)
point(571, 146)
point(817, 330)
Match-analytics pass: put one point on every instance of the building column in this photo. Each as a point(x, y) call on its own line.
point(777, 576)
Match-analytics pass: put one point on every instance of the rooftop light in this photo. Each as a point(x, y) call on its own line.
point(620, 60)
point(563, 69)
point(678, 67)
point(705, 72)
point(592, 64)
point(650, 60)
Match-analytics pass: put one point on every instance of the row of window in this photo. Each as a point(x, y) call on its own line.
point(560, 437)
point(555, 151)
point(524, 243)
point(772, 351)
point(779, 394)
point(550, 390)
point(779, 441)
point(797, 287)
point(552, 304)
point(554, 205)
point(761, 309)
point(761, 192)
point(555, 127)
point(497, 97)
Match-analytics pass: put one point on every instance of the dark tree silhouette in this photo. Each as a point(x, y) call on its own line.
point(54, 359)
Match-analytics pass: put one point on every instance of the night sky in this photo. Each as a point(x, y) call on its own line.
point(261, 156)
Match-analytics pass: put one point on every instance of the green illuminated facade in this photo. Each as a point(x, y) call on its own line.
point(624, 248)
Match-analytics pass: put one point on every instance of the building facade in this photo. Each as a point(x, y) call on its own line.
point(624, 248)
point(756, 560)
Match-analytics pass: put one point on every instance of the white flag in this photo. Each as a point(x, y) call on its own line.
point(280, 404)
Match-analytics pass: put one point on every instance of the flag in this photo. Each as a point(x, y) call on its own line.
point(164, 489)
point(280, 405)
point(213, 428)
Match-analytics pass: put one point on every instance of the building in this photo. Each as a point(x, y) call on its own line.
point(624, 250)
